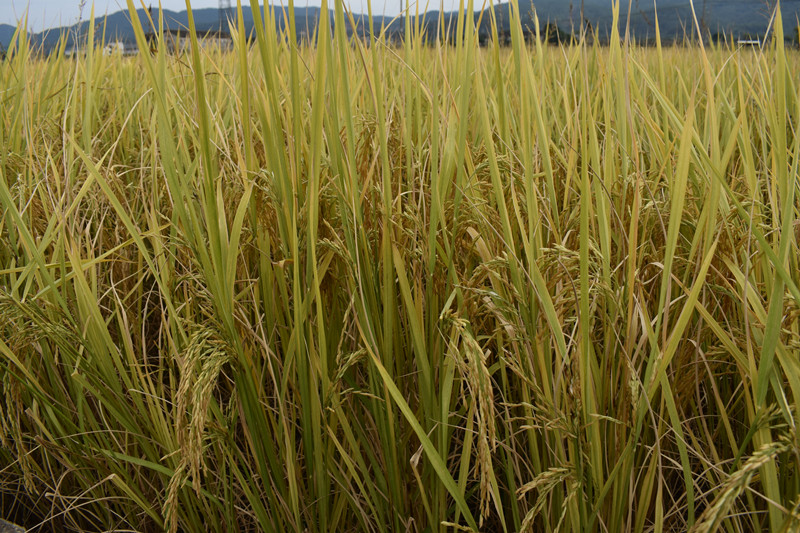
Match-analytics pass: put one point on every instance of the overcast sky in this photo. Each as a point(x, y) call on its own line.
point(51, 13)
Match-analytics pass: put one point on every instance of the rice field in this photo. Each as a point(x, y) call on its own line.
point(364, 286)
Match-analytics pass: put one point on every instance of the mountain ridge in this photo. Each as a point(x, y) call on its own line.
point(737, 18)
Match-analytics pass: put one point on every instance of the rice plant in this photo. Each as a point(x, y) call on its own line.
point(351, 285)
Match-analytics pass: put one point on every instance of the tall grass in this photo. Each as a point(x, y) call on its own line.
point(361, 287)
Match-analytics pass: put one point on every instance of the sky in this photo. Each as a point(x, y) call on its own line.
point(53, 13)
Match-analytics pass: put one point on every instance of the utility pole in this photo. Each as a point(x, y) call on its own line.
point(224, 13)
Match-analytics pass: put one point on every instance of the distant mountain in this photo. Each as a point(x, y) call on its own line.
point(6, 34)
point(733, 18)
point(738, 18)
point(117, 26)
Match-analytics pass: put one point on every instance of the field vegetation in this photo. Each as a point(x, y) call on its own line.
point(361, 286)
